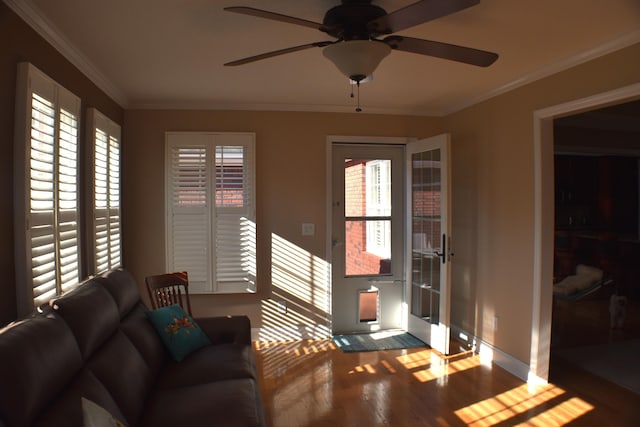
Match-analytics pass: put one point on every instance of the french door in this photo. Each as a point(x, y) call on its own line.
point(428, 241)
point(367, 237)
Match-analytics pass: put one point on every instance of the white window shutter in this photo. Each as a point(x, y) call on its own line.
point(106, 245)
point(68, 200)
point(189, 210)
point(235, 229)
point(211, 214)
point(115, 233)
point(41, 251)
point(100, 201)
point(47, 194)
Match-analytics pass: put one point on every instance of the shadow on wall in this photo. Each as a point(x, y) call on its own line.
point(300, 302)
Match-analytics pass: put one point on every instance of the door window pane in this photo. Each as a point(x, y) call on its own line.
point(367, 217)
point(360, 261)
point(426, 245)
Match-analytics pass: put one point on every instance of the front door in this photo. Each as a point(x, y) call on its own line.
point(429, 241)
point(367, 237)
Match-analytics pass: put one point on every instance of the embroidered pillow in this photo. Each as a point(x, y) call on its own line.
point(178, 331)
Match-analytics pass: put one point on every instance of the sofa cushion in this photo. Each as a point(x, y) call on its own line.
point(178, 331)
point(39, 356)
point(226, 329)
point(123, 288)
point(121, 368)
point(231, 403)
point(66, 409)
point(209, 364)
point(138, 329)
point(91, 313)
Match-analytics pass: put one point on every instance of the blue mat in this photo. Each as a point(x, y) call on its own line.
point(376, 341)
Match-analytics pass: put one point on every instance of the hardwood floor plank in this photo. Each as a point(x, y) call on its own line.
point(312, 383)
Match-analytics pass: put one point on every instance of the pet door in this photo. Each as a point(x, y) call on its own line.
point(368, 306)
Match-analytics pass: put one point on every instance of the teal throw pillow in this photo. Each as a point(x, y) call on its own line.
point(178, 331)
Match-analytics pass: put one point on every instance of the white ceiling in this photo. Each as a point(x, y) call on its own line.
point(170, 53)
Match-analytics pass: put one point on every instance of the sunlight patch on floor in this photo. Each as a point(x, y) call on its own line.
point(561, 414)
point(434, 365)
point(507, 405)
point(386, 334)
point(441, 369)
point(417, 359)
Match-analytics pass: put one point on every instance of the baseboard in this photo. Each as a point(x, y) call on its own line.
point(490, 354)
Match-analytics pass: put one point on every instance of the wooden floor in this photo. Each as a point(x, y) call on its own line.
point(313, 383)
point(586, 322)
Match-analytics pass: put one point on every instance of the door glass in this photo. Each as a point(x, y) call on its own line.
point(426, 235)
point(367, 194)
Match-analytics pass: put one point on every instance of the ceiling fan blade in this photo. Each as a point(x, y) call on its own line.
point(417, 13)
point(277, 53)
point(272, 15)
point(452, 52)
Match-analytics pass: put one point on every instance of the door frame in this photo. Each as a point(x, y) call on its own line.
point(340, 139)
point(544, 207)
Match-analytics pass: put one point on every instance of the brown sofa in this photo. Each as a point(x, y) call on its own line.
point(96, 342)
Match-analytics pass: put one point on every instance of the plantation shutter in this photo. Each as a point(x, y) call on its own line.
point(235, 222)
point(210, 210)
point(47, 201)
point(68, 233)
point(41, 229)
point(189, 210)
point(115, 230)
point(106, 192)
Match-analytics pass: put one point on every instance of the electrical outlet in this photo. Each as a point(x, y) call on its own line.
point(495, 323)
point(308, 229)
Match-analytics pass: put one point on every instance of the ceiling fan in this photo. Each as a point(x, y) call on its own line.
point(357, 25)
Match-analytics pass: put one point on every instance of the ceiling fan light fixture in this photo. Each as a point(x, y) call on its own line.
point(365, 80)
point(357, 59)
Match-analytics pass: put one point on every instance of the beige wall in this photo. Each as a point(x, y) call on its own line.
point(493, 178)
point(291, 189)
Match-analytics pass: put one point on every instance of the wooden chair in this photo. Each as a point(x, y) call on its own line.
point(168, 289)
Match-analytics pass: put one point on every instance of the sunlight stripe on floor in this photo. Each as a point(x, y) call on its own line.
point(502, 407)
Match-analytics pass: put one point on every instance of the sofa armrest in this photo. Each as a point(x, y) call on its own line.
point(228, 329)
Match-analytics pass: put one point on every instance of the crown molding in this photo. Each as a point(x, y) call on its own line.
point(26, 10)
point(621, 42)
point(282, 107)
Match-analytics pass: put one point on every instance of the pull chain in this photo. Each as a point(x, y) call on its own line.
point(358, 109)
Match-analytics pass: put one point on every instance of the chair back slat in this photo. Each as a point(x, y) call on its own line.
point(168, 289)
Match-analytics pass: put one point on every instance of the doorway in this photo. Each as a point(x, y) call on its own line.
point(597, 156)
point(390, 242)
point(367, 237)
point(544, 218)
